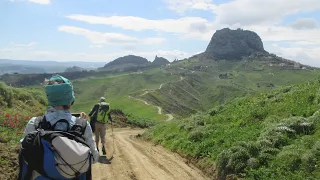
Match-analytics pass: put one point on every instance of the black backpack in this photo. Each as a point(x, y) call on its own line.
point(41, 151)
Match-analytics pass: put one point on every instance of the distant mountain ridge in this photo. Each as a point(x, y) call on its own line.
point(35, 67)
point(129, 59)
point(133, 63)
point(74, 69)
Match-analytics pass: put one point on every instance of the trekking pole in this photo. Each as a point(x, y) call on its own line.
point(112, 138)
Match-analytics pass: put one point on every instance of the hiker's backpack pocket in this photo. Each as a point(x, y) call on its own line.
point(72, 157)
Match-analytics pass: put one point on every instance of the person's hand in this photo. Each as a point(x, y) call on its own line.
point(83, 115)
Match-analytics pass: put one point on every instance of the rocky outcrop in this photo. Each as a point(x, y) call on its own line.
point(159, 61)
point(233, 44)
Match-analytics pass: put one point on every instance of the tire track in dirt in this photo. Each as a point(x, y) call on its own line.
point(140, 160)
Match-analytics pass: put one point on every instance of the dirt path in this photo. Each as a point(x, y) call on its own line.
point(135, 159)
point(170, 116)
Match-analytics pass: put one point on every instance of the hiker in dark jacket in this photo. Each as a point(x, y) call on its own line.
point(99, 121)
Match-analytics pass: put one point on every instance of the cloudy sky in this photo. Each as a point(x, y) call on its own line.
point(102, 30)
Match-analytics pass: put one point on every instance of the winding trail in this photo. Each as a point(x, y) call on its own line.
point(135, 159)
point(169, 116)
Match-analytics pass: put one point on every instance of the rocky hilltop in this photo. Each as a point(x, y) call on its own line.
point(130, 59)
point(158, 61)
point(233, 44)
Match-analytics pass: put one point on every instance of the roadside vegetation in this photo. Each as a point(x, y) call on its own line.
point(272, 135)
point(17, 106)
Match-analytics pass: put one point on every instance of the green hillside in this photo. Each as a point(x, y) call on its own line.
point(272, 135)
point(17, 106)
point(122, 92)
point(206, 83)
point(187, 86)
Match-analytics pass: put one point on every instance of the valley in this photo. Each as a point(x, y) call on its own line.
point(225, 113)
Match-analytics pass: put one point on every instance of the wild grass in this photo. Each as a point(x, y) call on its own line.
point(252, 134)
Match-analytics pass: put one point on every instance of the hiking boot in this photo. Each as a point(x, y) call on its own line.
point(103, 150)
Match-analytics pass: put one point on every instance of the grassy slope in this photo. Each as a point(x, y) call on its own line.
point(246, 135)
point(201, 88)
point(117, 90)
point(16, 108)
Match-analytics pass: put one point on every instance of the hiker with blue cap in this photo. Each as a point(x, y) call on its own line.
point(58, 145)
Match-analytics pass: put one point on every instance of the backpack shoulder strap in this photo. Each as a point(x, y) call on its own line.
point(39, 121)
point(80, 123)
point(97, 106)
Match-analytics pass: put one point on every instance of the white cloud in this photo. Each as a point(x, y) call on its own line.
point(109, 38)
point(249, 12)
point(281, 33)
point(308, 56)
point(181, 6)
point(198, 27)
point(96, 46)
point(23, 45)
point(246, 12)
point(6, 50)
point(306, 43)
point(40, 1)
point(305, 23)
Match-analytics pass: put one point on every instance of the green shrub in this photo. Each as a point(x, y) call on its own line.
point(6, 94)
point(196, 135)
point(255, 135)
point(309, 161)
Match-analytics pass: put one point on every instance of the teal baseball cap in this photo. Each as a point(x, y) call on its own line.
point(59, 91)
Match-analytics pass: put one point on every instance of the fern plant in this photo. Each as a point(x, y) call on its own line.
point(252, 155)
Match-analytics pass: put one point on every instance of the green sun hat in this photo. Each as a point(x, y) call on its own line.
point(59, 91)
